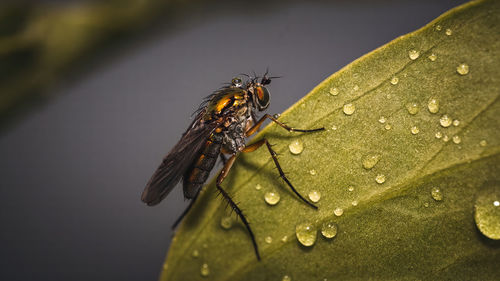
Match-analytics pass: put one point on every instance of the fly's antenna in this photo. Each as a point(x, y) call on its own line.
point(267, 80)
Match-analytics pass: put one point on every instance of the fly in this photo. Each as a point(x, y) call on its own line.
point(222, 123)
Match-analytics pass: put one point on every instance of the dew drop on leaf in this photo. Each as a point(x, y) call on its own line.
point(445, 121)
point(369, 161)
point(387, 127)
point(446, 138)
point(415, 130)
point(457, 139)
point(456, 123)
point(338, 212)
point(463, 69)
point(312, 172)
point(296, 147)
point(195, 254)
point(268, 239)
point(439, 135)
point(204, 271)
point(433, 105)
point(432, 57)
point(438, 27)
point(306, 233)
point(272, 198)
point(394, 80)
point(226, 222)
point(258, 186)
point(286, 278)
point(487, 211)
point(314, 195)
point(380, 179)
point(483, 143)
point(382, 120)
point(413, 54)
point(436, 194)
point(329, 229)
point(349, 108)
point(448, 32)
point(334, 91)
point(412, 108)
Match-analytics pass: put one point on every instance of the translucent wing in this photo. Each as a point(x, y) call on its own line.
point(178, 160)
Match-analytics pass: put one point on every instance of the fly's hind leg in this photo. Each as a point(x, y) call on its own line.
point(233, 205)
point(258, 144)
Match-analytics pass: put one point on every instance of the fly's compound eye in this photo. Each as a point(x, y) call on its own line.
point(261, 97)
point(236, 82)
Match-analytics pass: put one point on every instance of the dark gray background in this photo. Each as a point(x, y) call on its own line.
point(72, 172)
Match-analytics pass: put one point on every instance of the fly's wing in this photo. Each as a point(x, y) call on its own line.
point(177, 161)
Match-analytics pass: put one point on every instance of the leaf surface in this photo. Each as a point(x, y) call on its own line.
point(404, 178)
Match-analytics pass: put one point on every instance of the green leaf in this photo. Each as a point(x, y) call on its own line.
point(417, 224)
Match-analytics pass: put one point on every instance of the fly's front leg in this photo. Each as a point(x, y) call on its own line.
point(257, 125)
point(258, 144)
point(233, 205)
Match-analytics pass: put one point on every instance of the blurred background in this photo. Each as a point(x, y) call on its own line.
point(94, 93)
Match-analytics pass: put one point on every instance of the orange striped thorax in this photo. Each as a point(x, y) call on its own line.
point(227, 100)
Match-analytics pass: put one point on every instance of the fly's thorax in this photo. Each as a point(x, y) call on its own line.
point(233, 139)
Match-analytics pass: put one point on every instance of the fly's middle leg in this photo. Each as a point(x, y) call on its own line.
point(258, 144)
point(233, 205)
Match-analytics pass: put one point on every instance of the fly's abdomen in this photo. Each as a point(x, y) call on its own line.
point(196, 176)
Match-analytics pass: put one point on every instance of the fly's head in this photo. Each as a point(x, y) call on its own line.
point(260, 94)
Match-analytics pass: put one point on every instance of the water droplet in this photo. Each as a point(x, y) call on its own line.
point(205, 271)
point(314, 195)
point(426, 204)
point(463, 69)
point(448, 32)
point(350, 188)
point(445, 121)
point(415, 130)
point(349, 108)
point(276, 115)
point(334, 127)
point(195, 254)
point(439, 135)
point(329, 229)
point(272, 198)
point(412, 108)
point(286, 278)
point(433, 105)
point(296, 147)
point(457, 139)
point(446, 138)
point(387, 127)
point(355, 88)
point(483, 143)
point(456, 122)
point(394, 80)
point(226, 222)
point(268, 239)
point(432, 57)
point(354, 203)
point(370, 160)
point(382, 120)
point(258, 187)
point(284, 238)
point(413, 54)
point(436, 194)
point(334, 91)
point(306, 233)
point(438, 27)
point(338, 212)
point(380, 179)
point(487, 211)
point(312, 172)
